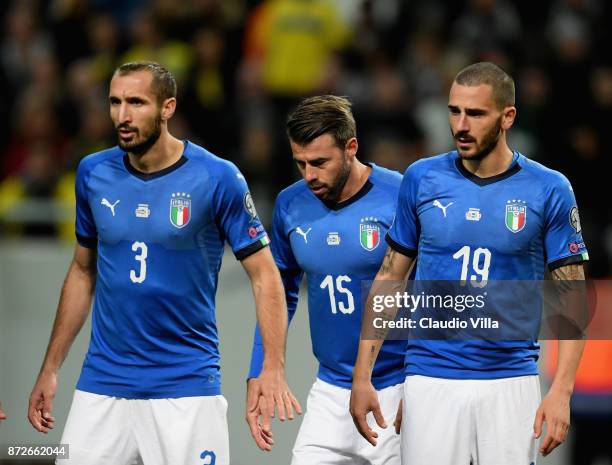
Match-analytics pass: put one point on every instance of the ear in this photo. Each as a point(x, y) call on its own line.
point(509, 115)
point(351, 147)
point(168, 108)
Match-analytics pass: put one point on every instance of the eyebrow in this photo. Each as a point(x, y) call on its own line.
point(312, 162)
point(469, 111)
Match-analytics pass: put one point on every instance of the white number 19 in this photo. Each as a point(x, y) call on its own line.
point(482, 271)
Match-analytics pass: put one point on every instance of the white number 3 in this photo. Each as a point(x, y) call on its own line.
point(142, 258)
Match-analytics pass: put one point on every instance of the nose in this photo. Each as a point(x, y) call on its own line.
point(463, 123)
point(124, 114)
point(310, 173)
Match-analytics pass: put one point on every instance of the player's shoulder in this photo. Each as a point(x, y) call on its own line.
point(298, 191)
point(385, 177)
point(546, 177)
point(89, 162)
point(435, 164)
point(207, 161)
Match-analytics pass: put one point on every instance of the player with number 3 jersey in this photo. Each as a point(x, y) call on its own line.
point(152, 217)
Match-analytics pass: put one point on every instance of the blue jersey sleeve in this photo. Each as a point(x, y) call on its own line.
point(291, 276)
point(403, 235)
point(563, 234)
point(85, 227)
point(237, 216)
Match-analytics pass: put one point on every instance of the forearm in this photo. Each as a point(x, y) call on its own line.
point(570, 350)
point(272, 320)
point(74, 304)
point(570, 353)
point(390, 279)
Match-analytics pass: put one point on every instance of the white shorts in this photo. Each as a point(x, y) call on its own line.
point(462, 422)
point(103, 430)
point(328, 435)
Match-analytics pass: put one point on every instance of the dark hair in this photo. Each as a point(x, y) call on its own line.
point(163, 83)
point(491, 74)
point(323, 114)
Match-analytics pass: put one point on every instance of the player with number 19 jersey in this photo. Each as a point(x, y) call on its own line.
point(337, 246)
point(160, 242)
point(462, 227)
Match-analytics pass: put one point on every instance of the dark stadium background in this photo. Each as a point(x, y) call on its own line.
point(239, 73)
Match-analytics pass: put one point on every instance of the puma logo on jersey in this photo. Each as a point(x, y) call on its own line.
point(302, 233)
point(436, 203)
point(106, 203)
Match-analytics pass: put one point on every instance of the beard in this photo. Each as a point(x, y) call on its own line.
point(335, 189)
point(141, 145)
point(486, 145)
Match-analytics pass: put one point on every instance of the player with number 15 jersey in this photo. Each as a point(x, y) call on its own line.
point(330, 226)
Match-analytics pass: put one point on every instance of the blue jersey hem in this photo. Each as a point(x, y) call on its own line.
point(105, 390)
point(378, 383)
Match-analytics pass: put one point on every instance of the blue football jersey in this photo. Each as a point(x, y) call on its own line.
point(338, 247)
point(462, 227)
point(160, 240)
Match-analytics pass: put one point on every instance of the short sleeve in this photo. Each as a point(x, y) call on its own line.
point(236, 214)
point(85, 227)
point(281, 247)
point(563, 240)
point(403, 235)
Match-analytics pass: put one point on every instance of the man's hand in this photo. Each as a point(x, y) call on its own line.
point(555, 411)
point(276, 394)
point(2, 414)
point(398, 418)
point(264, 438)
point(363, 401)
point(41, 402)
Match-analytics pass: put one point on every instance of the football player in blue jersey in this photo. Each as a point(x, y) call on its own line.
point(329, 227)
point(480, 213)
point(153, 214)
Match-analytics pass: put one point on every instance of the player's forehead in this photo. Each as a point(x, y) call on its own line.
point(480, 96)
point(136, 83)
point(320, 147)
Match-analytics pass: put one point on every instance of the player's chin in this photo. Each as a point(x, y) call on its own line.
point(467, 154)
point(320, 192)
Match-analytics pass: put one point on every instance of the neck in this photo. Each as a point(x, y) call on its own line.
point(357, 178)
point(493, 164)
point(164, 153)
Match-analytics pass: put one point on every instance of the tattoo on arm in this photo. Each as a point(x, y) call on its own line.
point(569, 273)
point(387, 264)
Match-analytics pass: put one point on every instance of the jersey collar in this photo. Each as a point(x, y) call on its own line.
point(514, 168)
point(156, 174)
point(367, 187)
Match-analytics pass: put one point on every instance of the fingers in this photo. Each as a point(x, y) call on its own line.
point(279, 400)
point(398, 418)
point(47, 407)
point(265, 414)
point(291, 405)
point(537, 424)
point(264, 440)
point(364, 429)
point(378, 416)
point(295, 403)
point(555, 435)
point(548, 445)
point(253, 392)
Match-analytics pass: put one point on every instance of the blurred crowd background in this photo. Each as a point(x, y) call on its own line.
point(242, 64)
